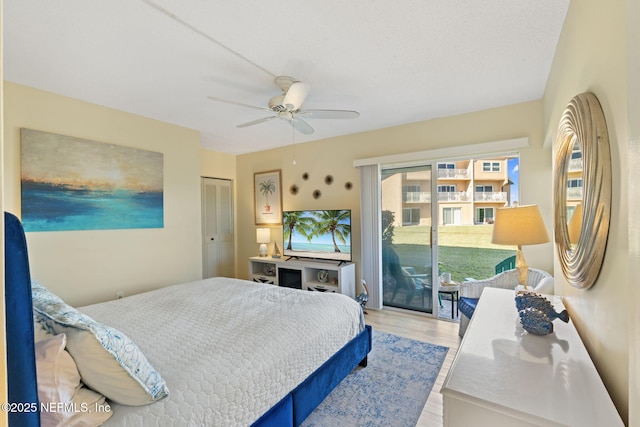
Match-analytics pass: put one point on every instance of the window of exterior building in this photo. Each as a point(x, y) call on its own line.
point(484, 215)
point(574, 183)
point(446, 165)
point(491, 166)
point(446, 188)
point(410, 216)
point(484, 188)
point(451, 216)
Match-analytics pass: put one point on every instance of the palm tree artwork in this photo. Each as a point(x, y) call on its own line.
point(266, 188)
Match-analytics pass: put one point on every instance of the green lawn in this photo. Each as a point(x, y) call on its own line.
point(463, 251)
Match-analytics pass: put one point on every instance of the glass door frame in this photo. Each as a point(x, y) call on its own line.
point(431, 166)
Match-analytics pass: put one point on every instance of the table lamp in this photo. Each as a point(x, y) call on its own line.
point(575, 224)
point(519, 226)
point(263, 236)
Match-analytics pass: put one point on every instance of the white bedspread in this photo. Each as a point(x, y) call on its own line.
point(228, 349)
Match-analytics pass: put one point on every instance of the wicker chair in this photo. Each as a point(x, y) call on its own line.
point(471, 290)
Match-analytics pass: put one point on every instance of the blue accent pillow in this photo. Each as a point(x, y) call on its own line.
point(108, 361)
point(467, 305)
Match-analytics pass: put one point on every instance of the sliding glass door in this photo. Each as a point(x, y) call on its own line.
point(407, 235)
point(441, 213)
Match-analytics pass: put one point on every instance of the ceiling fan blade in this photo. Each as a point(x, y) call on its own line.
point(226, 101)
point(301, 126)
point(256, 122)
point(329, 114)
point(295, 96)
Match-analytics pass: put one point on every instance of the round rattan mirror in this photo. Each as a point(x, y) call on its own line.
point(582, 218)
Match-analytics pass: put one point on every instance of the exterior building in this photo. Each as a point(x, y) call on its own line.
point(469, 192)
point(574, 180)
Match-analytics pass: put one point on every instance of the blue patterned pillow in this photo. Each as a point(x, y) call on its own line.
point(108, 361)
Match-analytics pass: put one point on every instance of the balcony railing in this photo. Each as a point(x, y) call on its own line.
point(574, 193)
point(454, 197)
point(461, 196)
point(454, 173)
point(416, 197)
point(490, 196)
point(575, 165)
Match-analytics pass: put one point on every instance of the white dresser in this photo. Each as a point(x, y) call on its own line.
point(504, 376)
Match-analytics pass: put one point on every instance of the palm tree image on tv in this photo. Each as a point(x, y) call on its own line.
point(266, 188)
point(333, 222)
point(318, 234)
point(297, 222)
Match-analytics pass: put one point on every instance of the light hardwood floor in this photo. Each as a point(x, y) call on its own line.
point(425, 329)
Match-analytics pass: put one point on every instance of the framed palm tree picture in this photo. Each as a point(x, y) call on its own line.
point(268, 197)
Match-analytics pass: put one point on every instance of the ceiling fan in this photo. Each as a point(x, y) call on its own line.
point(288, 107)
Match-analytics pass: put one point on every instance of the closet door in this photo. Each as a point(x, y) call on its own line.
point(217, 228)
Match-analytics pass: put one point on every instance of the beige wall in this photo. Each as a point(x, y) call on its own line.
point(633, 177)
point(335, 157)
point(591, 56)
point(217, 165)
point(3, 335)
point(89, 266)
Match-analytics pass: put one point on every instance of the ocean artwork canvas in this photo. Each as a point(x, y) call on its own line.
point(70, 183)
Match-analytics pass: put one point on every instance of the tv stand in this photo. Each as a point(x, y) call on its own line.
point(316, 275)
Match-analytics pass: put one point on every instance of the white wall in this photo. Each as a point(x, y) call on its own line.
point(591, 56)
point(85, 267)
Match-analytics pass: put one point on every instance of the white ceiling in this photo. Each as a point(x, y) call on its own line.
point(395, 62)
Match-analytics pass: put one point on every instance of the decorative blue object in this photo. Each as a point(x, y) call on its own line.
point(535, 322)
point(537, 313)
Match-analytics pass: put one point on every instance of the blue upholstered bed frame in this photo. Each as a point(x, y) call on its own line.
point(21, 357)
point(298, 404)
point(21, 365)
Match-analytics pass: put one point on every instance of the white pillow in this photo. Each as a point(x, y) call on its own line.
point(91, 409)
point(108, 361)
point(545, 286)
point(58, 376)
point(63, 399)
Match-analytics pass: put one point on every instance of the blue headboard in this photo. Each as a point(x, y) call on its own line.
point(21, 357)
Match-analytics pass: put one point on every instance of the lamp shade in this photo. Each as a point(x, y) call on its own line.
point(263, 235)
point(575, 224)
point(519, 226)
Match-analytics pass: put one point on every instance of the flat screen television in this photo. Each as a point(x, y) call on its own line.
point(319, 234)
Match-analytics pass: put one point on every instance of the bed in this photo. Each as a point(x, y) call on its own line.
point(228, 351)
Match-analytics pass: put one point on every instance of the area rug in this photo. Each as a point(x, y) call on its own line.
point(390, 391)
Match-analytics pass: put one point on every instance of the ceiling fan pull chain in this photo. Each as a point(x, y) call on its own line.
point(293, 141)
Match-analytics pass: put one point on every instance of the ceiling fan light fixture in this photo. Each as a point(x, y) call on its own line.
point(295, 96)
point(275, 103)
point(288, 107)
